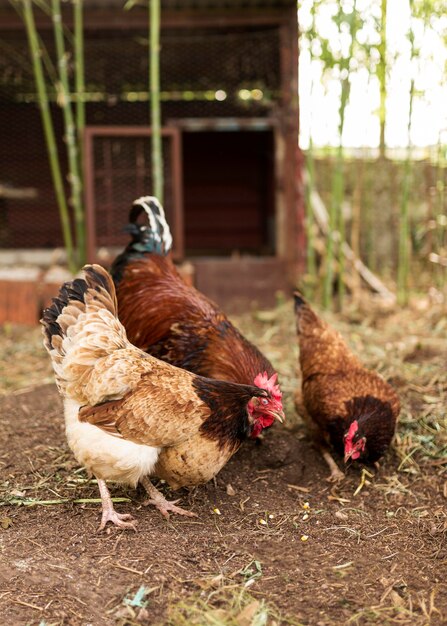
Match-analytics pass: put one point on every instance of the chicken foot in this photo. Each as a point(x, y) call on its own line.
point(159, 501)
point(108, 512)
point(336, 474)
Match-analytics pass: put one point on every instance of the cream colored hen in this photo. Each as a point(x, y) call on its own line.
point(129, 415)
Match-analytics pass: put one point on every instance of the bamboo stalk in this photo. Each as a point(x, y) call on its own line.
point(338, 194)
point(154, 79)
point(336, 218)
point(404, 236)
point(310, 167)
point(381, 75)
point(322, 219)
point(311, 260)
point(441, 217)
point(404, 226)
point(329, 261)
point(356, 221)
point(340, 182)
point(369, 219)
point(47, 123)
point(79, 72)
point(64, 99)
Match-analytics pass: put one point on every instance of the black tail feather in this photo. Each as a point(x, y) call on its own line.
point(94, 278)
point(74, 290)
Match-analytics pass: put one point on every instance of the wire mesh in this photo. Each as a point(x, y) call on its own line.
point(120, 164)
point(205, 73)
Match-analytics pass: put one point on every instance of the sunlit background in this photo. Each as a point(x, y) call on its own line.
point(320, 73)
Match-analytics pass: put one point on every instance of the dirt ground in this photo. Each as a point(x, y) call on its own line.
point(274, 542)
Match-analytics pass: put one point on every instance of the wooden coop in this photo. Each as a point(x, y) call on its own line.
point(229, 91)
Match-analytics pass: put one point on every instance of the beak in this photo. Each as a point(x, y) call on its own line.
point(358, 450)
point(278, 415)
point(348, 455)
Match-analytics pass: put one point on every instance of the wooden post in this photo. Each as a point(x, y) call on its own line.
point(293, 237)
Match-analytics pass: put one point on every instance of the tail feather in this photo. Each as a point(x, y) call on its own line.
point(305, 317)
point(80, 328)
point(96, 288)
point(299, 300)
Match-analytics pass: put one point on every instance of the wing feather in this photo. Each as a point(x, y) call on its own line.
point(163, 410)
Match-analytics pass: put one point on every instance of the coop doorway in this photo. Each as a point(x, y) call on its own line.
point(228, 192)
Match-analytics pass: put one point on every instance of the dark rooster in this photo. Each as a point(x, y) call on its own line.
point(345, 405)
point(173, 321)
point(129, 415)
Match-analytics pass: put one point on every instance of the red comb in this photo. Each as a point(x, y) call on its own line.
point(352, 430)
point(264, 382)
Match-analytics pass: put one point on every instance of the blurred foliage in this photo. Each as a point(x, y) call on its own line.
point(342, 40)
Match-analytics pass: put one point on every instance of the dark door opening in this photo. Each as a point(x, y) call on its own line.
point(228, 179)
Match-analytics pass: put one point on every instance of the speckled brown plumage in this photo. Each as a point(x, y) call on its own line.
point(197, 423)
point(337, 388)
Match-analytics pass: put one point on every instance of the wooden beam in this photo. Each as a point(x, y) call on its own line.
point(116, 18)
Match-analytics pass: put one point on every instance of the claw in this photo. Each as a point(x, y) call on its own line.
point(108, 512)
point(336, 476)
point(164, 506)
point(160, 502)
point(117, 519)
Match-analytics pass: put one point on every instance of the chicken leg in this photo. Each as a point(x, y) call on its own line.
point(108, 512)
point(336, 474)
point(318, 439)
point(159, 501)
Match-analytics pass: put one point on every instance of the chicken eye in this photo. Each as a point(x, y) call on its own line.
point(264, 401)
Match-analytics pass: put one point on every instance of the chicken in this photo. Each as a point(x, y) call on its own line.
point(345, 405)
point(129, 415)
point(173, 321)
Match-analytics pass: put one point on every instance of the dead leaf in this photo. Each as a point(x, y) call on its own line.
point(339, 499)
point(245, 617)
point(209, 583)
point(230, 490)
point(341, 515)
point(143, 614)
point(17, 493)
point(396, 599)
point(298, 488)
point(5, 522)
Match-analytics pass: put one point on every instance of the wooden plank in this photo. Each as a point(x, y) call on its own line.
point(114, 18)
point(19, 302)
point(237, 283)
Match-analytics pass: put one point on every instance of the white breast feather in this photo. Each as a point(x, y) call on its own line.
point(106, 456)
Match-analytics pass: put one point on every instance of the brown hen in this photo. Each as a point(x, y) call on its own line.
point(172, 320)
point(346, 405)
